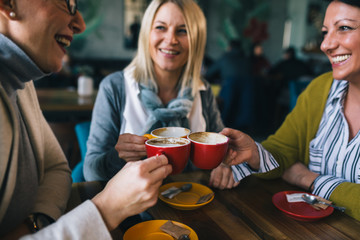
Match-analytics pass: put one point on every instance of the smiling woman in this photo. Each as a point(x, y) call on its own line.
point(35, 178)
point(341, 31)
point(161, 87)
point(318, 145)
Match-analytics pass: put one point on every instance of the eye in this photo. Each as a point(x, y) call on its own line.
point(182, 31)
point(345, 28)
point(323, 33)
point(159, 27)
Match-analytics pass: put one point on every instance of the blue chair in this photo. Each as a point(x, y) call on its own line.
point(296, 87)
point(82, 133)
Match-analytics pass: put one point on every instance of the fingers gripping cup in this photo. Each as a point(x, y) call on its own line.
point(208, 149)
point(177, 150)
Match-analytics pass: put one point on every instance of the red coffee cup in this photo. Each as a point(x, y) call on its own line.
point(208, 149)
point(177, 150)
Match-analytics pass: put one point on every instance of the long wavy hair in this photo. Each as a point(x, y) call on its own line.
point(196, 28)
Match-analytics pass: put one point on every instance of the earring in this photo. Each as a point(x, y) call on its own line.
point(12, 14)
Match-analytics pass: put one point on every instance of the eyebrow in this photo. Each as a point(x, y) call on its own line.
point(161, 22)
point(338, 21)
point(345, 19)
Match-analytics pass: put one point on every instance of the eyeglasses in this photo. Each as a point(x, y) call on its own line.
point(72, 6)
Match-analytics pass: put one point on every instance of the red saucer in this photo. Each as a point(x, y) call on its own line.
point(299, 210)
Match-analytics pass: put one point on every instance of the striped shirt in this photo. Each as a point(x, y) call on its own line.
point(267, 163)
point(332, 155)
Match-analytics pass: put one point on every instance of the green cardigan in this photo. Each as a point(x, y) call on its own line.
point(291, 141)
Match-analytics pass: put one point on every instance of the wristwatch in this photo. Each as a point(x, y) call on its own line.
point(37, 221)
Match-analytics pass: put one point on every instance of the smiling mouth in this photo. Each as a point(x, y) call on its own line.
point(339, 59)
point(63, 41)
point(169, 52)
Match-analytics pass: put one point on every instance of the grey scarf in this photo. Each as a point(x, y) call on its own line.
point(172, 115)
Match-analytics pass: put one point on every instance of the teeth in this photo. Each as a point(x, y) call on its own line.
point(62, 40)
point(168, 52)
point(340, 58)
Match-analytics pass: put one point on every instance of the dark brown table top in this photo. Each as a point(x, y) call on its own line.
point(65, 100)
point(246, 212)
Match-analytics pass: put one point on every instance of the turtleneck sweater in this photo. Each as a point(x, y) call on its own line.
point(16, 68)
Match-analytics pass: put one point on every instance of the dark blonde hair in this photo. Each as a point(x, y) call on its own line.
point(196, 28)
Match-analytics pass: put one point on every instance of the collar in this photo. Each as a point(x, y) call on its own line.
point(16, 66)
point(338, 92)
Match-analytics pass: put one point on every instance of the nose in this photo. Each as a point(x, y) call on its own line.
point(329, 42)
point(171, 37)
point(78, 24)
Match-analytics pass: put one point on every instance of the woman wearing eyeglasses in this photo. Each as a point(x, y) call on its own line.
point(35, 180)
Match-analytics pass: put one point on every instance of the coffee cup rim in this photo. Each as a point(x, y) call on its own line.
point(159, 136)
point(204, 143)
point(188, 141)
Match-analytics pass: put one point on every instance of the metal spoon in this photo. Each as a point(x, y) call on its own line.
point(310, 199)
point(184, 237)
point(175, 191)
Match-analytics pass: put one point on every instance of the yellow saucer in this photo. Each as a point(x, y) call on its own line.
point(150, 230)
point(186, 200)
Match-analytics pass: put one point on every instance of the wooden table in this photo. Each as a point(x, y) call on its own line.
point(247, 212)
point(58, 104)
point(54, 99)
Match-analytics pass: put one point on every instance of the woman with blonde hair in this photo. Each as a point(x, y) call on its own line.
point(161, 87)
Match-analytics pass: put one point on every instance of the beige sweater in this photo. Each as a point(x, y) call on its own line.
point(54, 173)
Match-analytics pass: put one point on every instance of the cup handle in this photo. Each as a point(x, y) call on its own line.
point(160, 153)
point(149, 136)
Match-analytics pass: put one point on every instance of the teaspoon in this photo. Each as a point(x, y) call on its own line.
point(310, 199)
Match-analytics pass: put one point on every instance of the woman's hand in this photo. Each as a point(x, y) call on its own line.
point(242, 148)
point(299, 175)
point(131, 147)
point(222, 177)
point(132, 190)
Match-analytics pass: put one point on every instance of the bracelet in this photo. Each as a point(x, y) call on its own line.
point(311, 185)
point(37, 221)
point(32, 223)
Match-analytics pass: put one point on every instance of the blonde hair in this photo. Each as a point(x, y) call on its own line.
point(196, 28)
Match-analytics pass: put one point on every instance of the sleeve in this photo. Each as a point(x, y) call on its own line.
point(324, 185)
point(54, 172)
point(211, 111)
point(55, 184)
point(83, 222)
point(334, 189)
point(346, 194)
point(267, 163)
point(101, 160)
